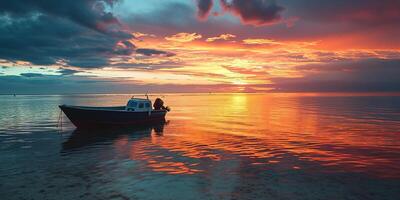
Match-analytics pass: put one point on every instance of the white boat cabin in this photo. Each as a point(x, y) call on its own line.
point(139, 105)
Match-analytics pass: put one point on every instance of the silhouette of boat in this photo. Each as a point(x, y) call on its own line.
point(138, 111)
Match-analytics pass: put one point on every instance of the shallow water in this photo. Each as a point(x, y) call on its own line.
point(214, 146)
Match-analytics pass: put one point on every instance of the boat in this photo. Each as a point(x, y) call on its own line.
point(138, 111)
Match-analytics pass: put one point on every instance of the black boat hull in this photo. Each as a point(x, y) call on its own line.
point(85, 117)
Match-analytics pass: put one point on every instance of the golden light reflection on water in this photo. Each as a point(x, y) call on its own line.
point(293, 133)
point(241, 146)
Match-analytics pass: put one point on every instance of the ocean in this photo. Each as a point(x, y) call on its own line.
point(213, 146)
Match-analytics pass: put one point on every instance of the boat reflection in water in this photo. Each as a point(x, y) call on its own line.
point(82, 138)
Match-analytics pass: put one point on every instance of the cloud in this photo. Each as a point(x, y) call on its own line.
point(182, 18)
point(255, 12)
point(141, 35)
point(124, 48)
point(88, 13)
point(367, 75)
point(67, 72)
point(248, 71)
point(144, 64)
point(204, 8)
point(74, 33)
point(254, 41)
point(343, 24)
point(152, 52)
point(31, 75)
point(367, 12)
point(221, 37)
point(324, 18)
point(184, 37)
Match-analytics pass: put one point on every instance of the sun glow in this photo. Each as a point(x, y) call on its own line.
point(239, 82)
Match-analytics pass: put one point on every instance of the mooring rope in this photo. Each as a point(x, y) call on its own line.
point(59, 121)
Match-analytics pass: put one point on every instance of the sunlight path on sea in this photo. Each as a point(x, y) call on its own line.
point(218, 146)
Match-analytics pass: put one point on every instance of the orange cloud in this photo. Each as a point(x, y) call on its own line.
point(139, 35)
point(260, 41)
point(221, 37)
point(184, 37)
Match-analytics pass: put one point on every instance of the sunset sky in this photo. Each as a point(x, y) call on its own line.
point(135, 46)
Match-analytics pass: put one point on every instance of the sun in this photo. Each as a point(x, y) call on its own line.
point(239, 82)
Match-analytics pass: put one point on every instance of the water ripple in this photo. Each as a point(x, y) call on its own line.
point(229, 144)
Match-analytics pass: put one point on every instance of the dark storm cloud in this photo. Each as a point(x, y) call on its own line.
point(355, 11)
point(62, 71)
point(31, 75)
point(152, 52)
point(369, 75)
point(204, 8)
point(261, 12)
point(255, 12)
point(88, 13)
point(76, 33)
point(66, 72)
point(124, 48)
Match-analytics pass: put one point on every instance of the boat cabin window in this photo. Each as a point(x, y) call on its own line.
point(138, 105)
point(133, 104)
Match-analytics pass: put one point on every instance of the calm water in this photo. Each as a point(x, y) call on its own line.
point(232, 146)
